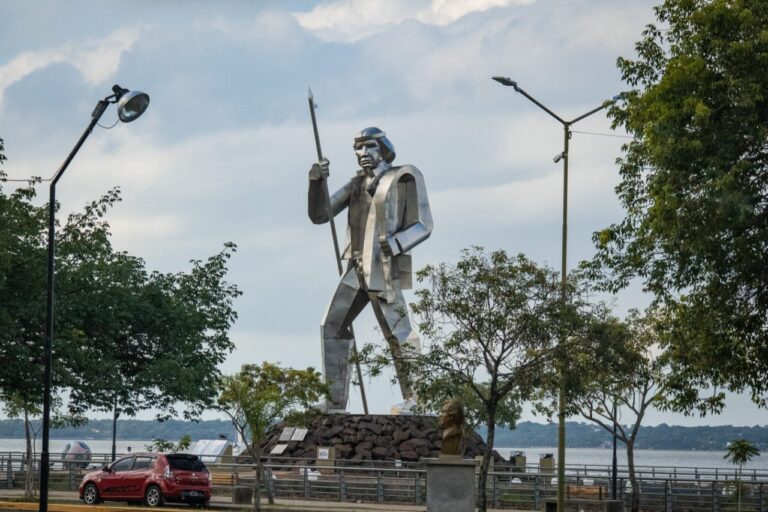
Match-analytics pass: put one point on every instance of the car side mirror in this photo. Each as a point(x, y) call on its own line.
point(107, 468)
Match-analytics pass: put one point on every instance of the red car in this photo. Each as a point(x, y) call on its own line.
point(151, 478)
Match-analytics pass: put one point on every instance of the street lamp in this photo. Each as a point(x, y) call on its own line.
point(130, 106)
point(563, 277)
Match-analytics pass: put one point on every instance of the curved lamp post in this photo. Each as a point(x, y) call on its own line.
point(563, 264)
point(130, 106)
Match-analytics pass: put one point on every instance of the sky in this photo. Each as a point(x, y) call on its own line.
point(223, 151)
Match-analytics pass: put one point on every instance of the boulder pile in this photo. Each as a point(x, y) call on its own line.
point(366, 438)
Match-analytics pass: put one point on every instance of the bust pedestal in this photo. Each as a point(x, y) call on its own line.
point(450, 484)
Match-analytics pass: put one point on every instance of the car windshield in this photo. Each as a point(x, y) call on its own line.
point(185, 462)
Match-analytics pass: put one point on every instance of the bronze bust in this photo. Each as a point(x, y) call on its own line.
point(452, 423)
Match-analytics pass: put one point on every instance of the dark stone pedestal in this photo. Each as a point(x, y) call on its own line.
point(450, 484)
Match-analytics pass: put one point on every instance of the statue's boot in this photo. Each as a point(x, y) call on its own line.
point(336, 354)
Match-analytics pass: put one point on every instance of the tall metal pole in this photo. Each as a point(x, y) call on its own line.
point(614, 473)
point(332, 222)
point(561, 356)
point(45, 456)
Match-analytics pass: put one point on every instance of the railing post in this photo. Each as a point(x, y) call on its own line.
point(306, 482)
point(10, 473)
point(340, 472)
point(417, 488)
point(667, 496)
point(622, 490)
point(761, 505)
point(536, 492)
point(714, 497)
point(379, 488)
point(270, 481)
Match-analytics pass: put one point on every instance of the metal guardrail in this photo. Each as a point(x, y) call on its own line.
point(661, 489)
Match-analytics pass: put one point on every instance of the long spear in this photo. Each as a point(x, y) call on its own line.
point(312, 106)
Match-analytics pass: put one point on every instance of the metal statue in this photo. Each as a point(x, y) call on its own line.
point(388, 215)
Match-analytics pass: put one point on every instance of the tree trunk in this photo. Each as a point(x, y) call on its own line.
point(738, 489)
point(28, 476)
point(267, 483)
point(483, 479)
point(632, 478)
point(257, 480)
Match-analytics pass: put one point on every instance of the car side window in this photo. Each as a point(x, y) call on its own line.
point(142, 463)
point(122, 465)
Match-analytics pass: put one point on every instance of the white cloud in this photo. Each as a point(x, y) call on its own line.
point(352, 20)
point(136, 227)
point(97, 59)
point(269, 27)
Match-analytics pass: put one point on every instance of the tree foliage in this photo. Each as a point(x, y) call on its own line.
point(694, 184)
point(491, 324)
point(739, 452)
point(620, 379)
point(125, 339)
point(159, 444)
point(258, 396)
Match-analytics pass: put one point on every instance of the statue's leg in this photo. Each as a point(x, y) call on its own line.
point(336, 337)
point(401, 338)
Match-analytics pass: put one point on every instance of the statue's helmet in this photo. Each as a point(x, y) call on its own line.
point(386, 148)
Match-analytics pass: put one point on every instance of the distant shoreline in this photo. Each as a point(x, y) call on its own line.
point(527, 435)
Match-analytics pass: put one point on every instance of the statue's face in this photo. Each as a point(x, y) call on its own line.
point(447, 416)
point(368, 154)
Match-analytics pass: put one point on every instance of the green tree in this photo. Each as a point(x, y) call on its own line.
point(256, 397)
point(22, 309)
point(126, 340)
point(491, 325)
point(693, 184)
point(740, 451)
point(18, 405)
point(618, 380)
point(161, 336)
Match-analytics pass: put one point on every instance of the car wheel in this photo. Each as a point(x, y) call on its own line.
point(90, 494)
point(153, 497)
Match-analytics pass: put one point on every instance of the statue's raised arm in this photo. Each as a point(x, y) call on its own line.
point(317, 200)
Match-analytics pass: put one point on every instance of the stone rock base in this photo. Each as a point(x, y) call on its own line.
point(359, 438)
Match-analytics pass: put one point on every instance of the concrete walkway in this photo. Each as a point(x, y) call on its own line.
point(67, 501)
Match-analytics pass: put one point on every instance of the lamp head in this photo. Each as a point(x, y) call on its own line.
point(559, 157)
point(505, 80)
point(130, 104)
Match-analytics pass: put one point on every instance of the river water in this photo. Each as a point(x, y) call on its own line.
point(57, 445)
point(574, 456)
point(656, 458)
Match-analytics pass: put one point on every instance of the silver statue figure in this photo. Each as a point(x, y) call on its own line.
point(388, 215)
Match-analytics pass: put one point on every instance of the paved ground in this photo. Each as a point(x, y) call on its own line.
point(63, 501)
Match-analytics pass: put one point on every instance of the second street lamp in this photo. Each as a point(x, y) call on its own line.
point(563, 268)
point(130, 106)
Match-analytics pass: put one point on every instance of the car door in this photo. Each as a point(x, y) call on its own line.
point(112, 483)
point(135, 478)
